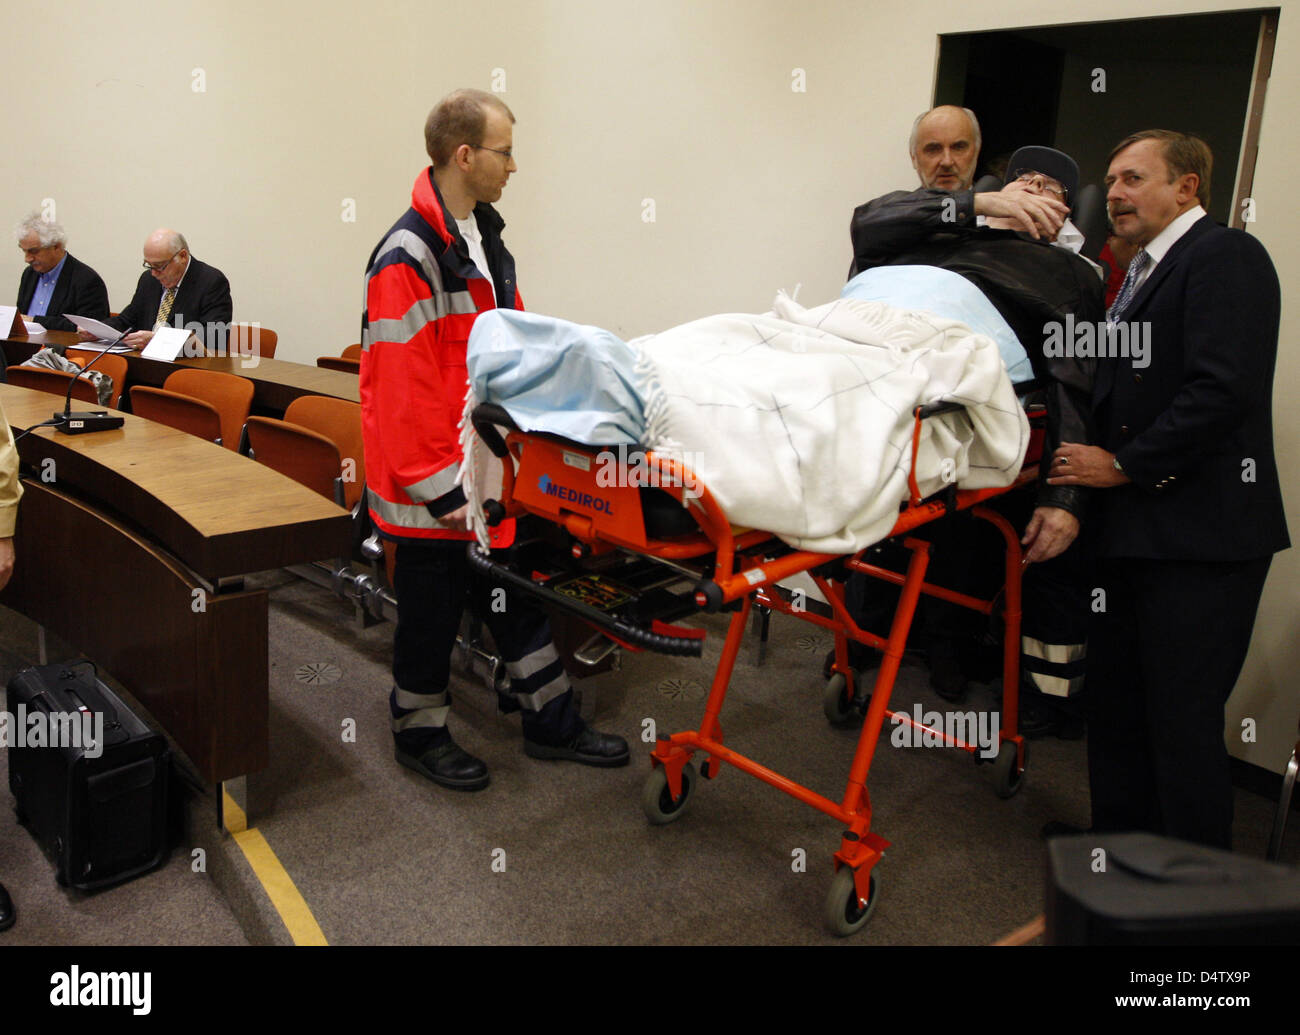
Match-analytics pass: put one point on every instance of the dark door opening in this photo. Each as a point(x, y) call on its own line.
point(1083, 88)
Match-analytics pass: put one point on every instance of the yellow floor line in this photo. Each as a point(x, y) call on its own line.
point(279, 886)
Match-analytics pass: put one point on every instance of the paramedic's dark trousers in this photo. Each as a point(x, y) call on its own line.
point(433, 582)
point(1162, 659)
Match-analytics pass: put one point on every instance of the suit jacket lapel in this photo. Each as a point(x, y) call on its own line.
point(26, 289)
point(188, 289)
point(1168, 264)
point(1106, 372)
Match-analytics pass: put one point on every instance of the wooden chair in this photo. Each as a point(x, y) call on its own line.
point(53, 381)
point(263, 340)
point(113, 366)
point(352, 352)
point(318, 444)
point(347, 365)
point(230, 395)
point(340, 422)
point(302, 455)
point(182, 412)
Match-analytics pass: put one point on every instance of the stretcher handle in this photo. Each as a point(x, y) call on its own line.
point(1022, 388)
point(678, 646)
point(486, 417)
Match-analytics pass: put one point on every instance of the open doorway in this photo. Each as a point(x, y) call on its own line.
point(1083, 88)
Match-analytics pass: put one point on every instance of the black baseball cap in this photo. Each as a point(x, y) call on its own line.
point(1050, 162)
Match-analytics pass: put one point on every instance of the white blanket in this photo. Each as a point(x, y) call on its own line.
point(799, 421)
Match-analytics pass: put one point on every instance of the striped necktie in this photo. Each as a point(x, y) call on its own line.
point(1129, 287)
point(165, 310)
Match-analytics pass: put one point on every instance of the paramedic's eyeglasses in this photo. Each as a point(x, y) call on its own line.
point(1045, 182)
point(158, 267)
point(507, 153)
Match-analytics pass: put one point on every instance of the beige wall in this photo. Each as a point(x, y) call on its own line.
point(689, 103)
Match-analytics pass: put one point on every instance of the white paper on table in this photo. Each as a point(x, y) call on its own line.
point(166, 343)
point(101, 331)
point(33, 329)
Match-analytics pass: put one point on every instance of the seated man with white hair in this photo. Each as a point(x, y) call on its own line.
point(176, 290)
point(55, 282)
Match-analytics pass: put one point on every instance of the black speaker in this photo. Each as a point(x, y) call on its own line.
point(1141, 889)
point(89, 778)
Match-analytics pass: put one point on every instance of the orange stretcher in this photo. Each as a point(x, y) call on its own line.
point(633, 553)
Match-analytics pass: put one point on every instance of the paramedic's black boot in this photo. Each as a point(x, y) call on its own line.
point(7, 912)
point(445, 763)
point(559, 732)
point(590, 747)
point(1037, 719)
point(946, 675)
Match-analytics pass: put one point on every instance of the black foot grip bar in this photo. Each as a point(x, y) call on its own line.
point(678, 646)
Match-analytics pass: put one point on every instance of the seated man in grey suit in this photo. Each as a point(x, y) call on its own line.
point(55, 282)
point(176, 290)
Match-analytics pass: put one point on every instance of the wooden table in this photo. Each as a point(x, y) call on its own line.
point(123, 540)
point(276, 382)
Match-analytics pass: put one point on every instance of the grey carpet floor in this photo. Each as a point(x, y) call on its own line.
point(559, 854)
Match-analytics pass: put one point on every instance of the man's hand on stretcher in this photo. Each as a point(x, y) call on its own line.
point(1050, 532)
point(1075, 464)
point(1052, 529)
point(1036, 214)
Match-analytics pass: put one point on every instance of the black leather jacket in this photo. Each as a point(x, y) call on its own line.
point(1029, 282)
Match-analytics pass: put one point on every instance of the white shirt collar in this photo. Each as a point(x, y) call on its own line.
point(1168, 237)
point(469, 228)
point(1069, 237)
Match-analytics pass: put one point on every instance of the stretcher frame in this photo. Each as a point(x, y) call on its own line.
point(738, 568)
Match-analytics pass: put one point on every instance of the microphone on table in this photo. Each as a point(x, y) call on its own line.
point(69, 423)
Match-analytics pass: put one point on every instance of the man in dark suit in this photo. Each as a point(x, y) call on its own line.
point(55, 282)
point(176, 290)
point(1190, 511)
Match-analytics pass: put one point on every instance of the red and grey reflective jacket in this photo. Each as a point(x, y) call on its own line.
point(423, 293)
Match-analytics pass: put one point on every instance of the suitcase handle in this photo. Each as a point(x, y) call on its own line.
point(87, 695)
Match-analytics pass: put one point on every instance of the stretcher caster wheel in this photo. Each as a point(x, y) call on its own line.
point(657, 799)
point(839, 710)
point(843, 914)
point(1007, 778)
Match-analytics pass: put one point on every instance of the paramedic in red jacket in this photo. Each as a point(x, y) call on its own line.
point(439, 266)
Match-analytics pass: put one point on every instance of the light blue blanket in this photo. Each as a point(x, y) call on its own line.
point(580, 382)
point(946, 294)
point(556, 376)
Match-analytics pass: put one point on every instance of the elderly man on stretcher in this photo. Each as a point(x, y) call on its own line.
point(1033, 286)
point(1002, 244)
point(800, 420)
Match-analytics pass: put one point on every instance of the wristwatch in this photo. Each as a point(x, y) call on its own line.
point(1117, 466)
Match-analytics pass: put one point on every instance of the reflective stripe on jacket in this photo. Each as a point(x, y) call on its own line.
point(422, 295)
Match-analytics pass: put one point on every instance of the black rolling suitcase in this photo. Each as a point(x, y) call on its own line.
point(99, 809)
